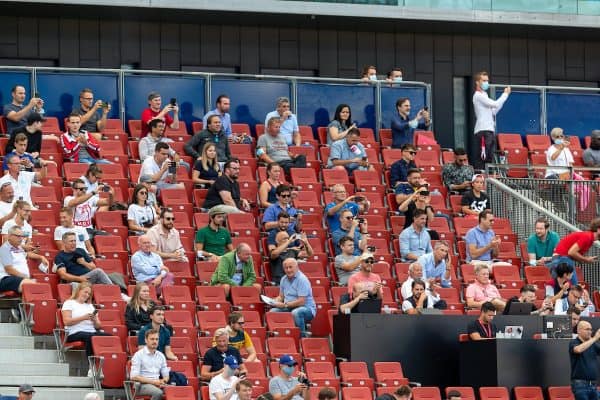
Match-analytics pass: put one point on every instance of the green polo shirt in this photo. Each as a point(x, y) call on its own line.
point(545, 248)
point(214, 241)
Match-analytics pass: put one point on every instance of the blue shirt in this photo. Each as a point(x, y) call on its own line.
point(404, 188)
point(334, 220)
point(341, 151)
point(164, 336)
point(430, 270)
point(298, 286)
point(480, 239)
point(273, 232)
point(413, 242)
point(145, 266)
point(288, 126)
point(273, 211)
point(340, 233)
point(399, 171)
point(225, 121)
point(402, 133)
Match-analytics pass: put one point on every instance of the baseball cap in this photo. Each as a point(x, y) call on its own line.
point(231, 361)
point(477, 176)
point(34, 117)
point(146, 179)
point(153, 95)
point(288, 360)
point(26, 388)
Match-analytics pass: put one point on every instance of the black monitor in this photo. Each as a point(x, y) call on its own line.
point(518, 308)
point(371, 306)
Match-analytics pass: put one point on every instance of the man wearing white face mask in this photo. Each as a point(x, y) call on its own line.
point(222, 386)
point(285, 386)
point(369, 74)
point(485, 126)
point(394, 76)
point(403, 127)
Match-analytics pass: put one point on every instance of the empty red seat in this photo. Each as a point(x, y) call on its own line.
point(426, 393)
point(356, 374)
point(389, 373)
point(493, 393)
point(528, 393)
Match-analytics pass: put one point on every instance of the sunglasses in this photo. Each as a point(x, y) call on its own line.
point(412, 153)
point(370, 262)
point(349, 218)
point(241, 322)
point(143, 192)
point(169, 218)
point(285, 195)
point(81, 188)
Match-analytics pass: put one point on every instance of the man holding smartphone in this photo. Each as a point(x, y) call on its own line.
point(16, 112)
point(154, 111)
point(91, 120)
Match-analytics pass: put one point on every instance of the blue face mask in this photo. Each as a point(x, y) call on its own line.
point(558, 141)
point(398, 79)
point(373, 77)
point(485, 85)
point(288, 370)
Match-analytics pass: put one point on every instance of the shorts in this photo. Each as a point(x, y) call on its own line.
point(10, 283)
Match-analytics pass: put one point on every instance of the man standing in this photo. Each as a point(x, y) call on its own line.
point(571, 248)
point(403, 127)
point(486, 110)
point(483, 327)
point(289, 123)
point(355, 228)
point(149, 368)
point(286, 387)
point(222, 110)
point(272, 147)
point(225, 192)
point(283, 204)
point(541, 244)
point(213, 240)
point(295, 295)
point(436, 265)
point(91, 121)
point(399, 169)
point(21, 180)
point(153, 111)
point(17, 111)
point(415, 240)
point(212, 133)
point(235, 268)
point(583, 352)
point(158, 167)
point(482, 291)
point(457, 175)
point(165, 238)
point(157, 323)
point(349, 154)
point(474, 201)
point(340, 203)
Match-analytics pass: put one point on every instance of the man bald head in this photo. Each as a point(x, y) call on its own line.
point(243, 251)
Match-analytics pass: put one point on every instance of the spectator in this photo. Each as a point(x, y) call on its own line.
point(82, 238)
point(244, 389)
point(236, 268)
point(149, 368)
point(91, 120)
point(147, 145)
point(559, 155)
point(272, 147)
point(527, 295)
point(137, 312)
point(20, 145)
point(578, 298)
point(17, 112)
point(21, 181)
point(346, 263)
point(284, 200)
point(365, 279)
point(575, 316)
point(483, 327)
point(147, 266)
point(558, 287)
point(591, 155)
point(157, 323)
point(404, 392)
point(436, 265)
point(295, 246)
point(21, 219)
point(214, 239)
point(225, 192)
point(483, 291)
point(286, 387)
point(340, 203)
point(26, 392)
point(14, 271)
point(238, 337)
point(394, 76)
point(474, 201)
point(458, 175)
point(81, 318)
point(75, 265)
point(485, 113)
point(33, 132)
point(399, 169)
point(327, 393)
point(414, 183)
point(222, 110)
point(289, 124)
point(162, 170)
point(141, 215)
point(348, 302)
point(415, 240)
point(415, 272)
point(223, 386)
point(419, 200)
point(341, 124)
point(154, 112)
point(7, 200)
point(268, 188)
point(369, 74)
point(454, 395)
point(295, 296)
point(80, 146)
point(349, 155)
point(212, 133)
point(541, 244)
point(206, 168)
point(403, 127)
point(92, 178)
point(482, 243)
point(283, 225)
point(356, 228)
point(165, 238)
point(212, 364)
point(150, 184)
point(421, 298)
point(583, 354)
point(86, 204)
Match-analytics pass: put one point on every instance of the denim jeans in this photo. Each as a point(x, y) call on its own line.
point(583, 391)
point(301, 316)
point(90, 160)
point(559, 260)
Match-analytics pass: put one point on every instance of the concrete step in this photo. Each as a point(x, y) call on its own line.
point(48, 393)
point(18, 367)
point(29, 355)
point(16, 342)
point(8, 329)
point(48, 381)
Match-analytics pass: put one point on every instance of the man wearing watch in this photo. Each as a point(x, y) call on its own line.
point(85, 204)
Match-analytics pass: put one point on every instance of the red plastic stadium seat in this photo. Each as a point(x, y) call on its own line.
point(426, 393)
point(528, 393)
point(507, 141)
point(493, 393)
point(39, 305)
point(115, 359)
point(357, 393)
point(356, 374)
point(322, 374)
point(560, 393)
point(466, 392)
point(389, 373)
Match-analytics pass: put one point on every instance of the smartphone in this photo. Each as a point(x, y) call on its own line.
point(36, 95)
point(173, 101)
point(104, 104)
point(95, 311)
point(172, 167)
point(425, 108)
point(371, 248)
point(359, 198)
point(106, 188)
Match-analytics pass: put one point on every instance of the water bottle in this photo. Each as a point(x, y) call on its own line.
point(502, 157)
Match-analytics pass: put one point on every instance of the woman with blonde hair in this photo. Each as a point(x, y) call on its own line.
point(206, 168)
point(137, 313)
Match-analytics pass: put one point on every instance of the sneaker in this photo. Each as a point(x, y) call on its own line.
point(125, 298)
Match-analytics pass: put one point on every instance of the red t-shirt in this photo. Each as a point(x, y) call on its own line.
point(584, 239)
point(148, 114)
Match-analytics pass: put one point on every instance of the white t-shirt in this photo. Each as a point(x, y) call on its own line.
point(81, 235)
point(140, 215)
point(78, 310)
point(15, 257)
point(150, 167)
point(84, 212)
point(5, 208)
point(218, 384)
point(564, 159)
point(26, 228)
point(22, 185)
point(90, 186)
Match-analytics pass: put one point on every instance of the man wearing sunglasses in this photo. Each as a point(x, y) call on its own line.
point(85, 204)
point(238, 337)
point(399, 169)
point(457, 175)
point(165, 238)
point(365, 279)
point(284, 200)
point(355, 228)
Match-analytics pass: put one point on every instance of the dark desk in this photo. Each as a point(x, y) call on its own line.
point(514, 362)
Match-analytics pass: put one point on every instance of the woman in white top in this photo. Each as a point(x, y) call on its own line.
point(558, 155)
point(81, 318)
point(141, 216)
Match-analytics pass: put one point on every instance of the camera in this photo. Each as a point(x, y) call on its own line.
point(359, 198)
point(362, 220)
point(371, 249)
point(173, 102)
point(304, 380)
point(104, 104)
point(424, 192)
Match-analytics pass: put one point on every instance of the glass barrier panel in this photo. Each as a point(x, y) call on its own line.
point(577, 113)
point(521, 113)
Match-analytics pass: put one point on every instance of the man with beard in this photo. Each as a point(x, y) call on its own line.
point(591, 155)
point(286, 246)
point(222, 104)
point(483, 327)
point(541, 244)
point(225, 192)
point(165, 238)
point(214, 239)
point(239, 338)
point(420, 299)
